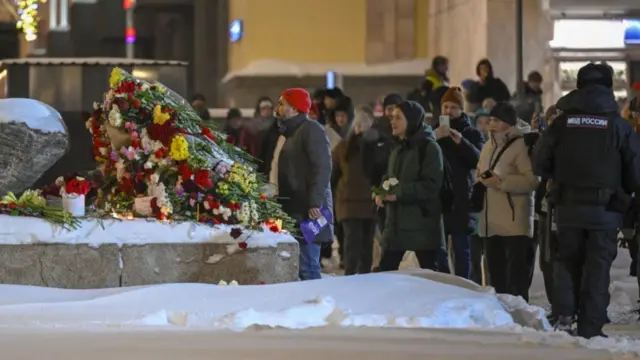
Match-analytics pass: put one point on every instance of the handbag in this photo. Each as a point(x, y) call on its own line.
point(479, 191)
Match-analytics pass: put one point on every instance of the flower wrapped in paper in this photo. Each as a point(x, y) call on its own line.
point(158, 158)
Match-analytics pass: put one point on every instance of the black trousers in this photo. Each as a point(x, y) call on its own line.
point(584, 257)
point(477, 250)
point(358, 245)
point(391, 259)
point(548, 244)
point(510, 263)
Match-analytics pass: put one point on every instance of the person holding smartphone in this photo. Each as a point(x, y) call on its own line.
point(506, 216)
point(461, 144)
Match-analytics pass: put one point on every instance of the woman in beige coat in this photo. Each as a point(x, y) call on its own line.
point(506, 220)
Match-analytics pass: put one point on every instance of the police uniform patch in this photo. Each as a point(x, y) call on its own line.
point(587, 121)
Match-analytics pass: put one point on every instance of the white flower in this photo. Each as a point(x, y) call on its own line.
point(119, 169)
point(155, 178)
point(89, 124)
point(96, 105)
point(386, 185)
point(60, 181)
point(206, 205)
point(222, 283)
point(233, 283)
point(148, 165)
point(103, 151)
point(393, 182)
point(115, 118)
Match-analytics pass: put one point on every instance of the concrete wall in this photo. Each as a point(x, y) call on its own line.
point(467, 31)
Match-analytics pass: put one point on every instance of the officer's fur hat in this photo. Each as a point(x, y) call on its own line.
point(595, 74)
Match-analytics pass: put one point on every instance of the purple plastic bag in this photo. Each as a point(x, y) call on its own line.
point(312, 227)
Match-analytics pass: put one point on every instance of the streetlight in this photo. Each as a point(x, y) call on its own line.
point(130, 31)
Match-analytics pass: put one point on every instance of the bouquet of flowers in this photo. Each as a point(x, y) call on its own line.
point(386, 187)
point(75, 187)
point(158, 158)
point(31, 203)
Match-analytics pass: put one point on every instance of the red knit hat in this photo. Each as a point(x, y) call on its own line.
point(298, 98)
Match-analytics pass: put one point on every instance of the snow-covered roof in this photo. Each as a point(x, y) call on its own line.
point(290, 68)
point(90, 61)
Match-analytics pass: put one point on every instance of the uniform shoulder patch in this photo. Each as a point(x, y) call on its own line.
point(587, 121)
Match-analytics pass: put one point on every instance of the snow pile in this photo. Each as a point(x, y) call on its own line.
point(25, 230)
point(375, 300)
point(35, 114)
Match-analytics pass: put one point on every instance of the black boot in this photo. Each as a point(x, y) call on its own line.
point(564, 323)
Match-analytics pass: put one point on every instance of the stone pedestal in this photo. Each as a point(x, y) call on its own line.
point(32, 252)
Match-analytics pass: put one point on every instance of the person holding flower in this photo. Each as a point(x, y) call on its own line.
point(411, 191)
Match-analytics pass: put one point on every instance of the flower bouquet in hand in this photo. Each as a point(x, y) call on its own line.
point(383, 193)
point(73, 195)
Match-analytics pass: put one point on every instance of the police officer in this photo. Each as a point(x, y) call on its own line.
point(591, 156)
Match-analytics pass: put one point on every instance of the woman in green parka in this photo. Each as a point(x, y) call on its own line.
point(414, 178)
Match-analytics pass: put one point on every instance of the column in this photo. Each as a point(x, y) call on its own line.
point(64, 14)
point(53, 14)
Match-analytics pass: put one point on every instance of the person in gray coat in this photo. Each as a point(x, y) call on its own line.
point(303, 162)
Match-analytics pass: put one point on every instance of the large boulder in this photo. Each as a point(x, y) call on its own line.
point(33, 137)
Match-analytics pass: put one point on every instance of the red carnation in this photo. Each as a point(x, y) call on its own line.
point(136, 103)
point(203, 179)
point(235, 233)
point(159, 154)
point(231, 139)
point(184, 171)
point(207, 132)
point(76, 186)
point(126, 87)
point(163, 133)
point(274, 228)
point(242, 245)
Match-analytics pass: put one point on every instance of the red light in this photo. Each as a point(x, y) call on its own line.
point(130, 32)
point(128, 4)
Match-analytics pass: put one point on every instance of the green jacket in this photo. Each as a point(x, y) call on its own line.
point(414, 220)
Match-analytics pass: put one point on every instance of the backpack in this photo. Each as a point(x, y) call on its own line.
point(446, 191)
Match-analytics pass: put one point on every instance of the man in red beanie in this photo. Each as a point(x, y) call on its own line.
point(301, 174)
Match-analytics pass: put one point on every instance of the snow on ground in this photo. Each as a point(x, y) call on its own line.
point(408, 315)
point(375, 300)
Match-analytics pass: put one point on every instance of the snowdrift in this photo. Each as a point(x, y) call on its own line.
point(374, 300)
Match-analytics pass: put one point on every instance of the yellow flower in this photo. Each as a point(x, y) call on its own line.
point(158, 116)
point(179, 148)
point(160, 87)
point(116, 77)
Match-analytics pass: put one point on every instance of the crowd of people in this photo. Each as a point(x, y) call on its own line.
point(482, 184)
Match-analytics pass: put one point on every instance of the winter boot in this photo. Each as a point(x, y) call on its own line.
point(564, 323)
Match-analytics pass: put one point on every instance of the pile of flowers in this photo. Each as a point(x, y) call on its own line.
point(158, 159)
point(32, 203)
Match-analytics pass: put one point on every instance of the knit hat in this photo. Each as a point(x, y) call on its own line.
point(505, 112)
point(454, 95)
point(467, 84)
point(234, 113)
point(415, 115)
point(391, 99)
point(345, 105)
point(595, 74)
point(335, 93)
point(298, 98)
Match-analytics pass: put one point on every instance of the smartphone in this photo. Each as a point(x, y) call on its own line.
point(444, 120)
point(487, 174)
